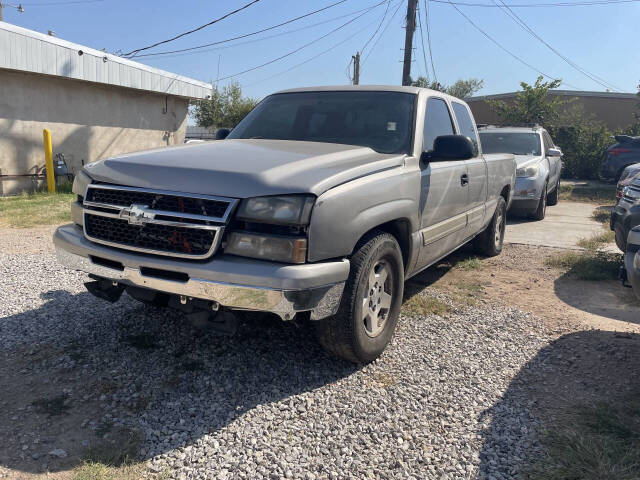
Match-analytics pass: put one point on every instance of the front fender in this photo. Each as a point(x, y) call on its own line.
point(342, 215)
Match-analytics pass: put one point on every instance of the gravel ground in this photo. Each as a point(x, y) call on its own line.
point(265, 403)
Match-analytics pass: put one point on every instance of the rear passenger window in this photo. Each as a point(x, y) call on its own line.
point(437, 122)
point(466, 124)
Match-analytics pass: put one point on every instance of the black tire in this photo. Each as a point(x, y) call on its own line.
point(540, 212)
point(621, 239)
point(346, 334)
point(490, 241)
point(552, 198)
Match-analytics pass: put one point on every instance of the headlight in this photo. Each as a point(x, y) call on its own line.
point(631, 194)
point(531, 171)
point(80, 183)
point(267, 247)
point(281, 210)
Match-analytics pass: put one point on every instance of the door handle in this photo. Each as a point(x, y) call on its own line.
point(464, 179)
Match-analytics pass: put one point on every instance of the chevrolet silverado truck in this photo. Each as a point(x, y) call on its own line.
point(319, 204)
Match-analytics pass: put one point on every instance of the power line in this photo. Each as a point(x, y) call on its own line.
point(522, 24)
point(378, 28)
point(537, 5)
point(332, 47)
point(427, 20)
point(503, 48)
point(256, 32)
point(383, 31)
point(132, 52)
point(305, 45)
point(424, 53)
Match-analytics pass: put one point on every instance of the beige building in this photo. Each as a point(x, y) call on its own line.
point(616, 110)
point(95, 104)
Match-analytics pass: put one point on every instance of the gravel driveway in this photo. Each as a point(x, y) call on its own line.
point(265, 403)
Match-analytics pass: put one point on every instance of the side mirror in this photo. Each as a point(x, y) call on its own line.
point(222, 133)
point(450, 147)
point(554, 152)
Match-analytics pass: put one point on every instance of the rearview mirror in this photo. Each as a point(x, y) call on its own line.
point(450, 147)
point(554, 152)
point(222, 133)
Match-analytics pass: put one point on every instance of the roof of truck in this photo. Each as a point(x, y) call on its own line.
point(367, 88)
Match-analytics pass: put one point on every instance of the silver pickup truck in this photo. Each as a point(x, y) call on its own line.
point(320, 203)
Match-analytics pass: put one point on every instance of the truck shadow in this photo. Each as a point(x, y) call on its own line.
point(606, 298)
point(111, 381)
point(558, 395)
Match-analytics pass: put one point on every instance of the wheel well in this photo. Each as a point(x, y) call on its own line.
point(505, 193)
point(401, 230)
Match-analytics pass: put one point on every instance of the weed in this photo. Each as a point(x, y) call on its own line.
point(121, 449)
point(588, 265)
point(419, 305)
point(597, 241)
point(57, 405)
point(592, 193)
point(472, 263)
point(601, 216)
point(384, 379)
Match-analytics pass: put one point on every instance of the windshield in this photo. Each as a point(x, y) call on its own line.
point(516, 143)
point(382, 121)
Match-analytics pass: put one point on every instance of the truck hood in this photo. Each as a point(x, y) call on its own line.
point(526, 160)
point(244, 168)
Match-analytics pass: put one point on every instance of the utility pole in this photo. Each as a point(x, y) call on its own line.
point(356, 68)
point(408, 41)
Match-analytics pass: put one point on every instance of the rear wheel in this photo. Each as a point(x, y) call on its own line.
point(490, 241)
point(540, 212)
point(552, 198)
point(368, 314)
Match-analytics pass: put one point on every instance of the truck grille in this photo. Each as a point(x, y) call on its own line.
point(161, 238)
point(155, 221)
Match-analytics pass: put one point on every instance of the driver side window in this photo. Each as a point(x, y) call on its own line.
point(437, 122)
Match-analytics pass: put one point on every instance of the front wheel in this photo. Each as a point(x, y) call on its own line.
point(552, 198)
point(370, 306)
point(540, 212)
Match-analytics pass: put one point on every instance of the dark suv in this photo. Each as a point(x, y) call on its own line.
point(619, 156)
point(626, 213)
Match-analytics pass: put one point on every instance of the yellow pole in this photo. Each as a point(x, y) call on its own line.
point(48, 157)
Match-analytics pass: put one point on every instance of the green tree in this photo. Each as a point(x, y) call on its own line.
point(532, 105)
point(225, 108)
point(462, 88)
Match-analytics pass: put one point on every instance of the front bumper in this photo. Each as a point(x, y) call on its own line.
point(233, 282)
point(527, 193)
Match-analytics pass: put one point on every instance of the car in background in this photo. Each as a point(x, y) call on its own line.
point(631, 270)
point(626, 178)
point(626, 213)
point(538, 165)
point(625, 152)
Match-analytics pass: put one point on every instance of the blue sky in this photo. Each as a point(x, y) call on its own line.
point(600, 39)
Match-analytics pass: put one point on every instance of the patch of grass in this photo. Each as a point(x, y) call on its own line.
point(592, 193)
point(472, 263)
point(589, 265)
point(597, 240)
point(34, 209)
point(57, 405)
point(420, 305)
point(120, 450)
point(601, 216)
point(593, 442)
point(99, 471)
point(142, 341)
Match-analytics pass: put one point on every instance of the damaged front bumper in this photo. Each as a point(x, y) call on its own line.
point(233, 282)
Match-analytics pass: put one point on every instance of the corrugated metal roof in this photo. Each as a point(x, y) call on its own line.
point(29, 51)
point(566, 93)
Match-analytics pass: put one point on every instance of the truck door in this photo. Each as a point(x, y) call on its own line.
point(444, 192)
point(476, 169)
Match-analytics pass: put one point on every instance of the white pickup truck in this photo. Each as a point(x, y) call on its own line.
point(320, 204)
